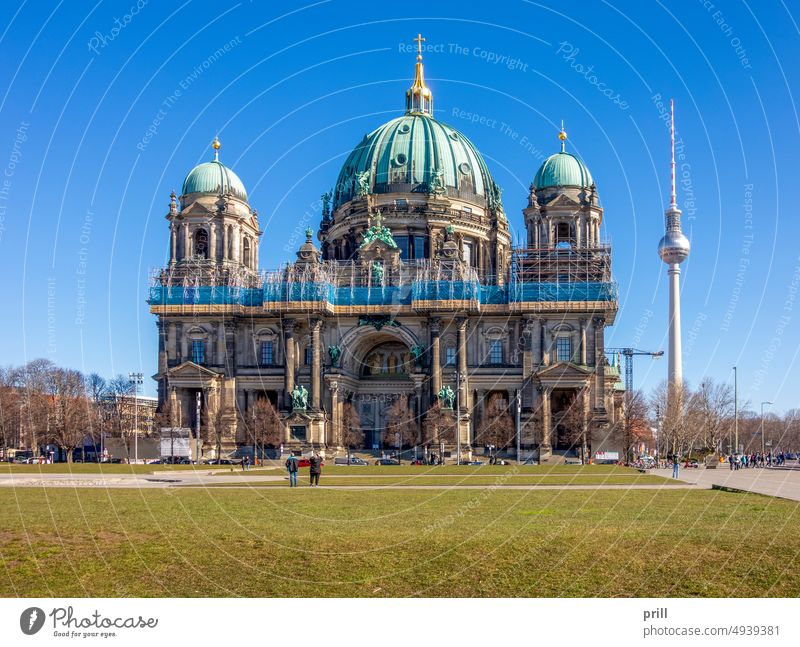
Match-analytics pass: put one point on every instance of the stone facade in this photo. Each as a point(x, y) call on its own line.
point(415, 279)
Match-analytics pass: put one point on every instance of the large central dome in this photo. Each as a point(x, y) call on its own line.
point(413, 153)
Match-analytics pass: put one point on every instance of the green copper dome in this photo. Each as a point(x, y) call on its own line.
point(416, 153)
point(213, 177)
point(563, 169)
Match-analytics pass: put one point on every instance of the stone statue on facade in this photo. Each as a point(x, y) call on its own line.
point(299, 398)
point(447, 397)
point(335, 354)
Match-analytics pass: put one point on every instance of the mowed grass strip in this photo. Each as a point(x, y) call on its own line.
point(456, 480)
point(317, 542)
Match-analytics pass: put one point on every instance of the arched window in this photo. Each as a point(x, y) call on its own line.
point(201, 243)
point(563, 234)
point(246, 251)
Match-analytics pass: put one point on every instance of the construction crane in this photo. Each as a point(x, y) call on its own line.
point(629, 354)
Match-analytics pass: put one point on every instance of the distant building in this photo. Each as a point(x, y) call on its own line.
point(414, 280)
point(122, 411)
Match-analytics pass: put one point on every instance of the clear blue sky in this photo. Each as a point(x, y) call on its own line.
point(85, 185)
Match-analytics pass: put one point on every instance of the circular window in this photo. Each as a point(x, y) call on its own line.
point(400, 159)
point(405, 128)
point(464, 168)
point(453, 134)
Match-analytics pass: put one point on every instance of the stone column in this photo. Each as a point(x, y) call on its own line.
point(237, 244)
point(225, 243)
point(600, 364)
point(462, 361)
point(172, 347)
point(173, 244)
point(547, 424)
point(436, 359)
point(289, 364)
point(184, 343)
point(316, 363)
point(212, 241)
point(583, 342)
point(187, 252)
point(162, 346)
point(221, 346)
point(336, 415)
point(230, 348)
point(528, 362)
point(536, 340)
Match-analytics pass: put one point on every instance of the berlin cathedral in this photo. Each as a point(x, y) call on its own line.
point(412, 291)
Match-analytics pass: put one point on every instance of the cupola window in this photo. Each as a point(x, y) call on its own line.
point(201, 243)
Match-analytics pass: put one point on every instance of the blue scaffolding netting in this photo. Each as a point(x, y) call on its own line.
point(416, 291)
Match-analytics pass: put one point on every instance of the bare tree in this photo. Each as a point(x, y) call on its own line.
point(352, 433)
point(576, 422)
point(266, 425)
point(71, 416)
point(496, 428)
point(401, 424)
point(439, 426)
point(672, 414)
point(711, 409)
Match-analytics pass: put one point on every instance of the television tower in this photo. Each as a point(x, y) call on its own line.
point(674, 249)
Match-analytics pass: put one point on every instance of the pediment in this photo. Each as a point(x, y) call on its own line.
point(562, 200)
point(197, 209)
point(190, 369)
point(565, 371)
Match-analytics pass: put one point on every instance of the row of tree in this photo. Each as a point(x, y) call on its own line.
point(41, 403)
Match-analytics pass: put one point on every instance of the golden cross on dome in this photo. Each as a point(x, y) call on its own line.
point(216, 144)
point(419, 40)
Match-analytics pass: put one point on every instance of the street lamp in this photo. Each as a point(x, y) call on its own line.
point(735, 411)
point(458, 417)
point(518, 402)
point(762, 428)
point(136, 379)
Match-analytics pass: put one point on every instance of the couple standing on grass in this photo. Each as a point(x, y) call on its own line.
point(315, 464)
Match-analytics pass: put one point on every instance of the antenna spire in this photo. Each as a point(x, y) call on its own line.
point(562, 135)
point(673, 198)
point(216, 146)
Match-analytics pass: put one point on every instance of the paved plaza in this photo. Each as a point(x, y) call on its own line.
point(783, 483)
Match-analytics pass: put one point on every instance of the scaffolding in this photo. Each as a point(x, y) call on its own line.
point(535, 275)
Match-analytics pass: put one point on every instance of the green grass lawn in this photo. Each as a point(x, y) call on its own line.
point(464, 479)
point(306, 542)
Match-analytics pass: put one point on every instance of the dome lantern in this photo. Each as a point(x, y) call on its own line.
point(419, 98)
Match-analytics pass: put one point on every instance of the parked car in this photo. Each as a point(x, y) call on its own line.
point(353, 460)
point(387, 461)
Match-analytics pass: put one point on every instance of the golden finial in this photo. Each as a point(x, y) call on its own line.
point(562, 135)
point(216, 145)
point(419, 40)
point(419, 98)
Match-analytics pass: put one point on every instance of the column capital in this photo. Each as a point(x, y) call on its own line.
point(461, 322)
point(288, 327)
point(434, 323)
point(316, 324)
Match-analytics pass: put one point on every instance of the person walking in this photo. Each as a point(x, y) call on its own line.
point(676, 466)
point(316, 469)
point(291, 467)
point(245, 463)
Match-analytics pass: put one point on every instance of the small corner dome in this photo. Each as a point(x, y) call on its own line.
point(563, 169)
point(214, 177)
